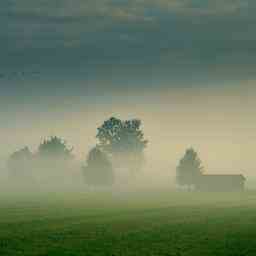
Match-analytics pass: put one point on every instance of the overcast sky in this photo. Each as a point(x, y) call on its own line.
point(133, 37)
point(63, 60)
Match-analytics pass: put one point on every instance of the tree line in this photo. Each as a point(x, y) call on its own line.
point(120, 144)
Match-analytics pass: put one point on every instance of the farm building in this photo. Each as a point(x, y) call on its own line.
point(220, 182)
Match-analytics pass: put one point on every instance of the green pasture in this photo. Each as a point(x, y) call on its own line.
point(128, 223)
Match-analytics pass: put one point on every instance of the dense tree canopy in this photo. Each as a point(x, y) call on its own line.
point(116, 135)
point(189, 168)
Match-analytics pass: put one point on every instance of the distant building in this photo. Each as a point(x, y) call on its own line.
point(220, 183)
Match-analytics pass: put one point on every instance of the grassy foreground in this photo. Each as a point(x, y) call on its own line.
point(112, 223)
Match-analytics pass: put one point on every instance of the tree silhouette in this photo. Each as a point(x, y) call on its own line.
point(19, 163)
point(189, 168)
point(54, 162)
point(98, 171)
point(54, 147)
point(123, 141)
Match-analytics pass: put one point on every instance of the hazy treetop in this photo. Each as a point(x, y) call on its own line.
point(116, 135)
point(54, 147)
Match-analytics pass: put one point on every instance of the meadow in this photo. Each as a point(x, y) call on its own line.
point(162, 222)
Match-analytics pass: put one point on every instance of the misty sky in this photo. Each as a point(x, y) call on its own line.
point(185, 67)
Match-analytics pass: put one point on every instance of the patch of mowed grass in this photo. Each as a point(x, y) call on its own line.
point(161, 223)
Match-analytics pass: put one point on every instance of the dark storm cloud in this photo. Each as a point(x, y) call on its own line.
point(152, 36)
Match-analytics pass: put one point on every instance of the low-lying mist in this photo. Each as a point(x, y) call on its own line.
point(42, 179)
point(218, 125)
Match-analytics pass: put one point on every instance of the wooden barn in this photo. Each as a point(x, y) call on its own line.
point(226, 182)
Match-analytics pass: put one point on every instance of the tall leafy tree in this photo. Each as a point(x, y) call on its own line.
point(189, 168)
point(98, 171)
point(123, 141)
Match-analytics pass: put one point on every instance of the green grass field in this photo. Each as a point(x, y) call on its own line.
point(108, 223)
